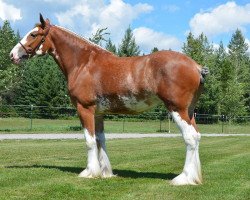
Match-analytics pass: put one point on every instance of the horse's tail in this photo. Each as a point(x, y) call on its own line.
point(204, 71)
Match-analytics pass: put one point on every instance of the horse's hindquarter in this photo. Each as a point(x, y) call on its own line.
point(178, 79)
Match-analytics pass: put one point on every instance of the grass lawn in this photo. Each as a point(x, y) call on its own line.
point(23, 125)
point(48, 169)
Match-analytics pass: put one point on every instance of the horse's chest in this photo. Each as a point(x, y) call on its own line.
point(128, 104)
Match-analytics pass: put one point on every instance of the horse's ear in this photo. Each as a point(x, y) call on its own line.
point(43, 23)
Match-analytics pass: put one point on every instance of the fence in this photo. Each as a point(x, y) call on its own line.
point(23, 118)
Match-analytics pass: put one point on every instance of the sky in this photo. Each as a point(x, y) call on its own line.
point(158, 23)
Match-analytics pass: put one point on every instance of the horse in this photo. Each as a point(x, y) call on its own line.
point(100, 82)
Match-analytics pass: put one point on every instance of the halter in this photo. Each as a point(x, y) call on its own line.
point(31, 51)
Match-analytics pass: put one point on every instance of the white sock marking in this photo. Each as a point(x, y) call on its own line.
point(103, 157)
point(93, 165)
point(192, 170)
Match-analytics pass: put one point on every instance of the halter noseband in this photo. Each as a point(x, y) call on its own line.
point(31, 51)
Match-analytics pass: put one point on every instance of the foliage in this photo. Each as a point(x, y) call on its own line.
point(240, 61)
point(111, 47)
point(155, 49)
point(128, 47)
point(8, 71)
point(225, 87)
point(98, 37)
point(42, 85)
point(40, 82)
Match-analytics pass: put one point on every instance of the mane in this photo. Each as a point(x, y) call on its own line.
point(81, 38)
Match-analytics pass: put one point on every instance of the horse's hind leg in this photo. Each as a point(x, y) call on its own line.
point(192, 169)
point(106, 169)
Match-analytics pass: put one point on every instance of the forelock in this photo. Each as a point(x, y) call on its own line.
point(39, 25)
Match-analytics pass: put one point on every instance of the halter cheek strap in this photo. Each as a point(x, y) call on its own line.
point(23, 47)
point(31, 51)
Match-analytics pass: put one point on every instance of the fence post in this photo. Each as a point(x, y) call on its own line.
point(31, 116)
point(169, 126)
point(160, 124)
point(222, 125)
point(161, 118)
point(123, 124)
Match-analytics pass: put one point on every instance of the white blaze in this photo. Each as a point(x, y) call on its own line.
point(18, 51)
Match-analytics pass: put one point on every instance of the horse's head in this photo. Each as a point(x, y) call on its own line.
point(35, 42)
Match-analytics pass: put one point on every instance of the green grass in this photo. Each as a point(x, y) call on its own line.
point(38, 125)
point(48, 169)
point(23, 125)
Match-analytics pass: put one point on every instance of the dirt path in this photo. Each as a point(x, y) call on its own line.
point(108, 136)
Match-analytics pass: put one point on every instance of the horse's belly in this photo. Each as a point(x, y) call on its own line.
point(127, 104)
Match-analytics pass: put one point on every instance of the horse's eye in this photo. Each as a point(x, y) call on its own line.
point(33, 35)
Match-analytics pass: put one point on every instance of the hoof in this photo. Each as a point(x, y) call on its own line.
point(183, 179)
point(108, 175)
point(87, 173)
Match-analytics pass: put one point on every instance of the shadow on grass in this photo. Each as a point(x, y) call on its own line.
point(136, 174)
point(118, 172)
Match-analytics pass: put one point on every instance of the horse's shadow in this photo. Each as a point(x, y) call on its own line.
point(119, 172)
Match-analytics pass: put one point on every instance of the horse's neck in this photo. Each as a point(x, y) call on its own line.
point(70, 51)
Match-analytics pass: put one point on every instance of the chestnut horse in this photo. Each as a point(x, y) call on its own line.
point(99, 82)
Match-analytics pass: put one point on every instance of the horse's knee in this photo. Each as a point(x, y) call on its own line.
point(90, 140)
point(191, 137)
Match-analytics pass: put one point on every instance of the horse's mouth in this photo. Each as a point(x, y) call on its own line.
point(20, 59)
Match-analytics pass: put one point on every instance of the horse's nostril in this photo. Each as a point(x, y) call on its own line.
point(11, 56)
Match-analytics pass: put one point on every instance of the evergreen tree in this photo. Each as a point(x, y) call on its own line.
point(241, 63)
point(8, 71)
point(238, 56)
point(111, 47)
point(128, 46)
point(220, 59)
point(199, 49)
point(155, 49)
point(42, 85)
point(230, 100)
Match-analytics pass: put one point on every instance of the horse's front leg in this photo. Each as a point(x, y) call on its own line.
point(105, 165)
point(87, 118)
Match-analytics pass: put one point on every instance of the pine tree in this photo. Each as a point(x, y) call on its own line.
point(238, 55)
point(111, 47)
point(232, 102)
point(241, 63)
point(42, 85)
point(199, 49)
point(229, 101)
point(220, 58)
point(7, 40)
point(8, 71)
point(155, 49)
point(128, 46)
